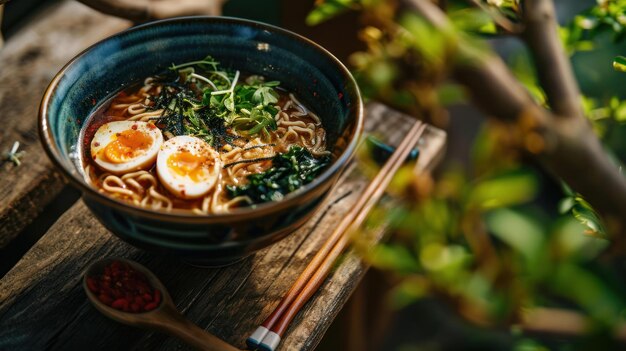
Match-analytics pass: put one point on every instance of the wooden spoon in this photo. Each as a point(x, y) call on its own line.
point(165, 317)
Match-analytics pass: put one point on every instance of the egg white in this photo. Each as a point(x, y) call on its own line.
point(108, 132)
point(183, 186)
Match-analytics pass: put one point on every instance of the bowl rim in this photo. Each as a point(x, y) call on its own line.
point(51, 149)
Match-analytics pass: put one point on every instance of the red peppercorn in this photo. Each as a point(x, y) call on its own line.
point(147, 297)
point(121, 287)
point(134, 307)
point(157, 296)
point(92, 285)
point(119, 303)
point(139, 301)
point(105, 299)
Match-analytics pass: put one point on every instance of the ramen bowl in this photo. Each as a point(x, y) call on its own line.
point(122, 60)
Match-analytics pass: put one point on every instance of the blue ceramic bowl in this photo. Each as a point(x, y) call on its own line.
point(102, 70)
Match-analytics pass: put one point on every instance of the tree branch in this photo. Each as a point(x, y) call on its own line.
point(486, 75)
point(553, 66)
point(145, 10)
point(567, 147)
point(579, 157)
point(494, 89)
point(433, 14)
point(563, 323)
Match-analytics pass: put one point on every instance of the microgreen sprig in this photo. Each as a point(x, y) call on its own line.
point(204, 79)
point(246, 106)
point(14, 155)
point(229, 90)
point(206, 61)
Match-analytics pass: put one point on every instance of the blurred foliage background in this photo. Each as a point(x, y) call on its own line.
point(493, 237)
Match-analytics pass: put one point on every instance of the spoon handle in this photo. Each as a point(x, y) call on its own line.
point(177, 325)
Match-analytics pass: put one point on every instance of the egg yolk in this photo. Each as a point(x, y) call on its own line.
point(189, 165)
point(127, 145)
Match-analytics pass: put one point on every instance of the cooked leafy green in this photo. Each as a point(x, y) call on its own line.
point(289, 172)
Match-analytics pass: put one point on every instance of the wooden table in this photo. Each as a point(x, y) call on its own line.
point(42, 305)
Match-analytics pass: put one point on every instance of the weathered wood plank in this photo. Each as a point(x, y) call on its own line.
point(42, 305)
point(29, 60)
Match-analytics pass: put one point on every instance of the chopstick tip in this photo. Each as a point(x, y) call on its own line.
point(254, 340)
point(270, 342)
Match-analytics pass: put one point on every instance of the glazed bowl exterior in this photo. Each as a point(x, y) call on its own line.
point(120, 61)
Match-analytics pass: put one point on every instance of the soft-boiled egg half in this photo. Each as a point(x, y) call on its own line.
point(188, 167)
point(125, 146)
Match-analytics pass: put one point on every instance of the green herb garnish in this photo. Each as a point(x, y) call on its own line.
point(289, 172)
point(198, 96)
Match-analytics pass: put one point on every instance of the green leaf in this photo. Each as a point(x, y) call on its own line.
point(382, 73)
point(529, 345)
point(606, 16)
point(328, 9)
point(396, 257)
point(570, 241)
point(586, 215)
point(519, 231)
point(588, 290)
point(409, 290)
point(265, 95)
point(450, 93)
point(620, 112)
point(524, 71)
point(430, 41)
point(566, 204)
point(582, 211)
point(511, 188)
point(264, 121)
point(472, 20)
point(446, 260)
point(229, 103)
point(619, 63)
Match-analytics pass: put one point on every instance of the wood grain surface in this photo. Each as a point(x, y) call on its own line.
point(28, 62)
point(42, 305)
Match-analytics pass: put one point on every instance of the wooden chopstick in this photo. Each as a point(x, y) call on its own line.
point(267, 336)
